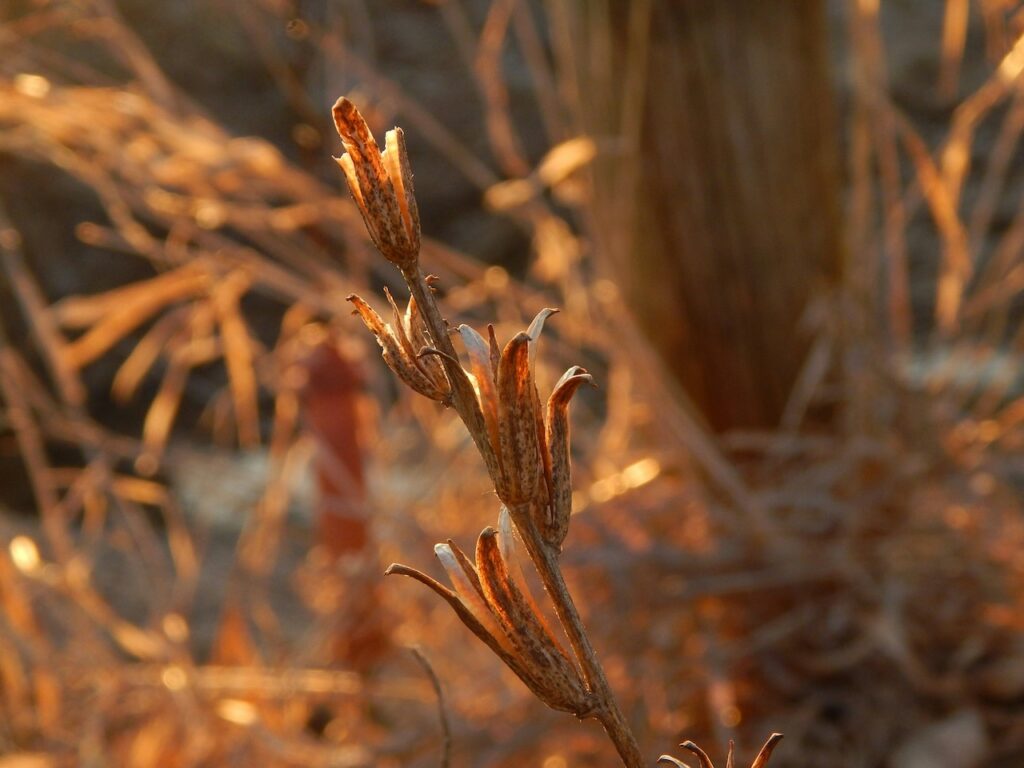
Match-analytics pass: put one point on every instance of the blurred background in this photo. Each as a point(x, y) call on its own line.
point(787, 238)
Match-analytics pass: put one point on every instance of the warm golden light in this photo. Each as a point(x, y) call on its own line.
point(174, 678)
point(175, 627)
point(237, 711)
point(35, 86)
point(1013, 63)
point(24, 553)
point(641, 472)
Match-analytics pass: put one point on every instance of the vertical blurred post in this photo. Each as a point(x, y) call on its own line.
point(330, 409)
point(330, 403)
point(718, 210)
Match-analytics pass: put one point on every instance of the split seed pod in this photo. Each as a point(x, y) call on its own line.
point(705, 762)
point(557, 461)
point(381, 185)
point(402, 343)
point(493, 601)
point(531, 443)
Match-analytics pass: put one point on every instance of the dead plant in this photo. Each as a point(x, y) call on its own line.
point(525, 448)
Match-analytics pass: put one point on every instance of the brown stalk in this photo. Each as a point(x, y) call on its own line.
point(42, 323)
point(545, 559)
point(374, 196)
point(607, 711)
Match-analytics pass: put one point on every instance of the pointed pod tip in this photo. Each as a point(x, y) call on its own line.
point(766, 751)
point(518, 349)
point(472, 339)
point(443, 549)
point(537, 325)
point(702, 756)
point(391, 569)
point(346, 116)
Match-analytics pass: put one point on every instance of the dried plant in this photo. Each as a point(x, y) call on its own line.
point(705, 762)
point(525, 448)
point(901, 531)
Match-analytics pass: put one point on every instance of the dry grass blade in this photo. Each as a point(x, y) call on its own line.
point(442, 712)
point(112, 317)
point(147, 352)
point(237, 348)
point(954, 35)
point(41, 318)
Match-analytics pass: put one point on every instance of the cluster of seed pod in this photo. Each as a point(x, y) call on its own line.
point(492, 598)
point(527, 446)
point(705, 762)
point(524, 445)
point(402, 342)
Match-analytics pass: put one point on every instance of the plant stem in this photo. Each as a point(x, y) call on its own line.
point(607, 710)
point(463, 396)
point(545, 559)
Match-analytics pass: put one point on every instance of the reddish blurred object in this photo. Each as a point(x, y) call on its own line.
point(331, 414)
point(330, 409)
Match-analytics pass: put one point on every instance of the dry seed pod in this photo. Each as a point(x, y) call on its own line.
point(419, 335)
point(483, 376)
point(532, 452)
point(492, 342)
point(493, 606)
point(557, 682)
point(517, 424)
point(556, 459)
point(400, 353)
point(705, 762)
point(381, 185)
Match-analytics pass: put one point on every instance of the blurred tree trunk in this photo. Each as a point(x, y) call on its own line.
point(721, 221)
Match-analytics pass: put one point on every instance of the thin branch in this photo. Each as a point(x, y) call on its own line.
point(442, 711)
